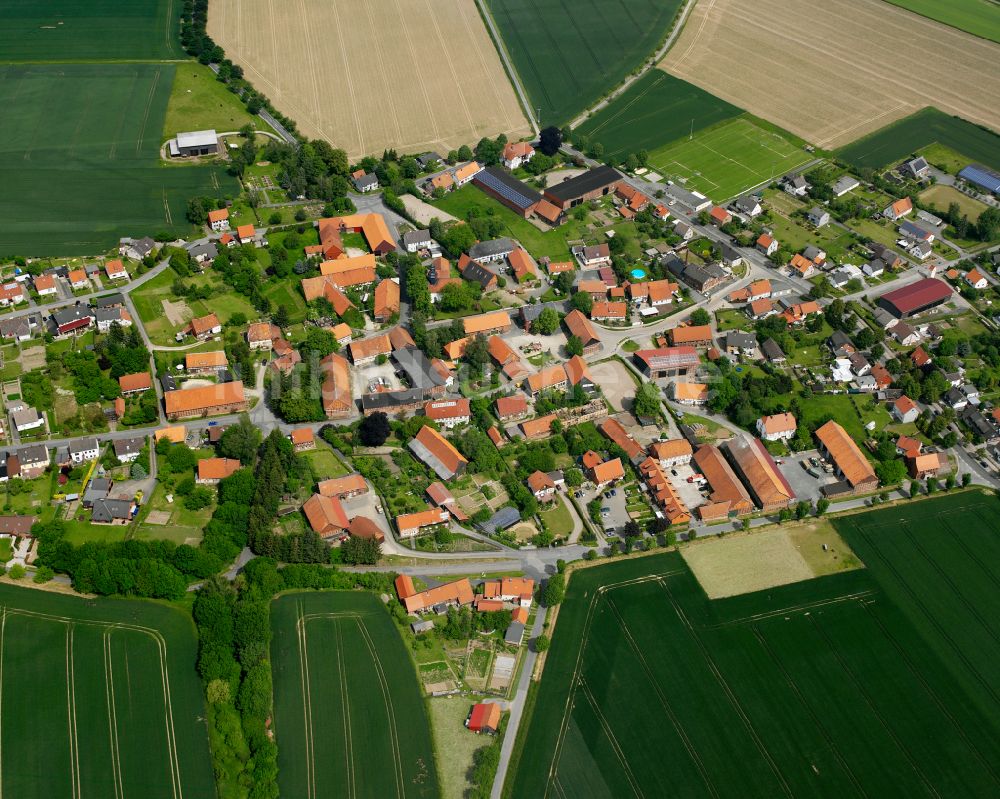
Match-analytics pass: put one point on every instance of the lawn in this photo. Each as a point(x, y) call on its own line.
point(148, 299)
point(558, 518)
point(941, 196)
point(730, 158)
point(95, 30)
point(343, 680)
point(915, 132)
point(568, 60)
point(454, 745)
point(325, 464)
point(199, 101)
point(978, 17)
point(881, 680)
point(841, 408)
point(798, 234)
point(552, 243)
point(102, 699)
point(183, 527)
point(655, 110)
point(92, 171)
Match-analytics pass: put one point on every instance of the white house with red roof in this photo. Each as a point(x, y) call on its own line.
point(517, 153)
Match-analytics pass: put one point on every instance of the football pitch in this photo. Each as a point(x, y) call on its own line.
point(349, 717)
point(728, 159)
point(79, 160)
point(876, 682)
point(99, 699)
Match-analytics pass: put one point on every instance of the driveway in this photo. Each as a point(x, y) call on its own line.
point(616, 383)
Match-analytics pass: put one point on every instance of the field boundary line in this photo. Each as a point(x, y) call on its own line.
point(145, 115)
point(606, 726)
point(345, 704)
point(927, 615)
point(791, 609)
point(817, 721)
point(860, 687)
point(943, 707)
point(728, 691)
point(674, 720)
point(306, 704)
point(384, 684)
point(74, 744)
point(578, 667)
point(109, 685)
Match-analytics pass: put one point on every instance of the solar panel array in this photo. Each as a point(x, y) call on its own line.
point(509, 188)
point(981, 176)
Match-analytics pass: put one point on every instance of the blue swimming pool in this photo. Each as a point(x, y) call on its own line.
point(638, 274)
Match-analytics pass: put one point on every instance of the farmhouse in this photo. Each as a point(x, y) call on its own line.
point(436, 452)
point(779, 427)
point(517, 153)
point(509, 408)
point(197, 363)
point(411, 524)
point(597, 182)
point(135, 383)
point(692, 336)
point(667, 361)
point(467, 172)
point(673, 452)
point(449, 413)
point(416, 240)
point(364, 181)
point(326, 516)
point(522, 266)
point(613, 429)
point(335, 393)
point(552, 377)
point(690, 393)
point(850, 464)
point(606, 472)
point(487, 323)
point(728, 496)
point(197, 142)
point(204, 327)
point(609, 311)
point(210, 400)
point(503, 187)
point(351, 485)
point(578, 325)
point(218, 219)
point(214, 470)
point(386, 301)
point(372, 226)
point(456, 593)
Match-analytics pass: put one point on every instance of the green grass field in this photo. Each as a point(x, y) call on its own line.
point(569, 56)
point(875, 682)
point(978, 17)
point(100, 698)
point(917, 131)
point(656, 109)
point(89, 30)
point(349, 719)
point(729, 159)
point(77, 180)
point(198, 101)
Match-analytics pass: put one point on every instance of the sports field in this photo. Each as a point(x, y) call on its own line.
point(349, 719)
point(374, 74)
point(762, 56)
point(79, 158)
point(89, 30)
point(569, 55)
point(917, 131)
point(729, 159)
point(874, 682)
point(978, 17)
point(100, 698)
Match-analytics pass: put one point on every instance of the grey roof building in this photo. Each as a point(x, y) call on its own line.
point(367, 182)
point(772, 351)
point(741, 341)
point(417, 368)
point(514, 634)
point(493, 250)
point(107, 511)
point(505, 517)
point(109, 300)
point(126, 447)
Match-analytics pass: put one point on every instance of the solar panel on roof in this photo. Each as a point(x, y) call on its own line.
point(981, 176)
point(509, 188)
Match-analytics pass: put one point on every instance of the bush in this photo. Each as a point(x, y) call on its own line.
point(43, 575)
point(16, 572)
point(542, 643)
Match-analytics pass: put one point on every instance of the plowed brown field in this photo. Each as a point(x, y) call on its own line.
point(835, 70)
point(371, 74)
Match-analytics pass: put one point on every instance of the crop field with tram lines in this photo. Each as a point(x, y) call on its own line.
point(761, 55)
point(874, 682)
point(349, 717)
point(99, 698)
point(429, 77)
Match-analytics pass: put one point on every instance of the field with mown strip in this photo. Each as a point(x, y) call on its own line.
point(875, 682)
point(569, 55)
point(99, 698)
point(917, 131)
point(978, 17)
point(77, 179)
point(349, 718)
point(89, 30)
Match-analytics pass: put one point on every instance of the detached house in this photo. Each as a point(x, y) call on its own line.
point(517, 154)
point(778, 427)
point(898, 209)
point(115, 270)
point(219, 219)
point(766, 244)
point(45, 285)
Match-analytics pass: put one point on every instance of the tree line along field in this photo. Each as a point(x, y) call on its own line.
point(927, 126)
point(569, 55)
point(875, 682)
point(89, 30)
point(761, 56)
point(349, 719)
point(77, 180)
point(99, 698)
point(978, 17)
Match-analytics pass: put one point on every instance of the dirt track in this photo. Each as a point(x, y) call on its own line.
point(371, 74)
point(833, 71)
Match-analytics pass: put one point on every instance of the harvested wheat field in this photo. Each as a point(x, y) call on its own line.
point(373, 74)
point(834, 71)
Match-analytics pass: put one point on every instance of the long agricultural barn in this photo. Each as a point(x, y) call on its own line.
point(505, 188)
point(983, 177)
point(590, 185)
point(915, 298)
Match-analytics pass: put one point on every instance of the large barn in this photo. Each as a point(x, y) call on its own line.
point(915, 298)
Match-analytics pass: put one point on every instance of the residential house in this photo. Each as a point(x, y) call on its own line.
point(684, 230)
point(509, 408)
point(12, 294)
point(115, 270)
point(690, 393)
point(214, 470)
point(777, 427)
point(84, 449)
point(72, 319)
point(549, 378)
point(477, 273)
point(26, 419)
point(436, 452)
point(739, 342)
point(748, 205)
point(128, 450)
point(916, 167)
point(766, 244)
point(204, 327)
point(302, 439)
point(466, 173)
point(326, 516)
point(719, 216)
point(413, 524)
point(449, 413)
point(365, 181)
point(976, 279)
point(772, 352)
point(606, 473)
point(219, 219)
point(45, 285)
point(904, 333)
point(491, 251)
point(898, 209)
point(135, 383)
point(801, 266)
point(112, 511)
point(660, 293)
point(516, 154)
point(522, 266)
point(818, 216)
point(873, 268)
point(542, 486)
point(202, 363)
point(417, 240)
point(78, 279)
point(386, 301)
point(795, 185)
point(592, 256)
